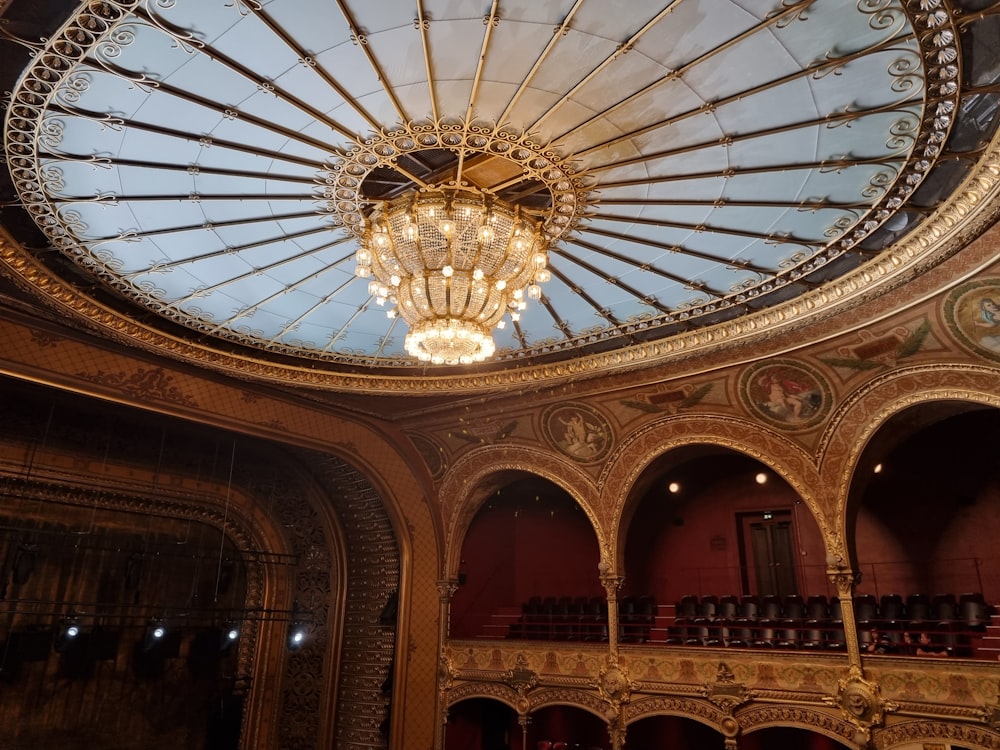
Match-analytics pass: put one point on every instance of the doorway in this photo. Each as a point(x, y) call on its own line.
point(767, 553)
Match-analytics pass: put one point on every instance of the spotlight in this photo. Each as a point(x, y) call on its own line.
point(68, 635)
point(227, 636)
point(673, 488)
point(156, 634)
point(761, 478)
point(296, 637)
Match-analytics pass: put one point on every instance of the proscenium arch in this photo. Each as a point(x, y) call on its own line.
point(232, 510)
point(622, 481)
point(861, 417)
point(479, 474)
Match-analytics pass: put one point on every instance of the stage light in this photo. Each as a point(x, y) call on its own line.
point(233, 633)
point(296, 637)
point(156, 633)
point(68, 634)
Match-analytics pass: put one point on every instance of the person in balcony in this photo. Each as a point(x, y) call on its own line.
point(877, 643)
point(925, 646)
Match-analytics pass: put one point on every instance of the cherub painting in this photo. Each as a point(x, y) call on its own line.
point(786, 393)
point(578, 431)
point(972, 313)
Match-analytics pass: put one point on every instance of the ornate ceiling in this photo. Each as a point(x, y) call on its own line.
point(698, 165)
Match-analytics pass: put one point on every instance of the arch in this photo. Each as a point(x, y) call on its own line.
point(669, 730)
point(529, 567)
point(261, 647)
point(865, 412)
point(824, 722)
point(621, 483)
point(711, 521)
point(904, 733)
point(478, 474)
point(566, 696)
point(689, 708)
point(493, 691)
point(289, 501)
point(480, 722)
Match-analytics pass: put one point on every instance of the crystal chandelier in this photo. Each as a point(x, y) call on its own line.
point(453, 261)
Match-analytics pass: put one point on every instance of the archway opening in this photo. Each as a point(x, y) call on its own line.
point(482, 724)
point(789, 738)
point(923, 520)
point(673, 733)
point(529, 548)
point(717, 536)
point(562, 727)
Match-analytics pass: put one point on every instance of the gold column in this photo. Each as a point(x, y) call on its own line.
point(612, 584)
point(446, 590)
point(845, 580)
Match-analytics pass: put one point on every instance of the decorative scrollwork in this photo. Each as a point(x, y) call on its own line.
point(907, 72)
point(111, 46)
point(76, 85)
point(903, 133)
point(884, 14)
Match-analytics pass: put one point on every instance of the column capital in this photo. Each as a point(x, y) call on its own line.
point(612, 584)
point(844, 580)
point(446, 588)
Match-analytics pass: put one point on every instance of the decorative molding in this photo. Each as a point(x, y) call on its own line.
point(726, 692)
point(861, 702)
point(910, 732)
point(756, 717)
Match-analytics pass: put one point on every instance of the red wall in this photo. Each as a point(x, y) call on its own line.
point(688, 543)
point(928, 523)
point(530, 540)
